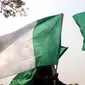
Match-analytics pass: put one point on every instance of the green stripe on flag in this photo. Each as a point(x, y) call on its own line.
point(62, 50)
point(80, 20)
point(24, 78)
point(47, 40)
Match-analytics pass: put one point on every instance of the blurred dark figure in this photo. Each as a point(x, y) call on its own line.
point(45, 76)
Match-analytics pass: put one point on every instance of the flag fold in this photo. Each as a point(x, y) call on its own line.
point(80, 20)
point(34, 45)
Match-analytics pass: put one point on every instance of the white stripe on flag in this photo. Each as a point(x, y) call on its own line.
point(19, 56)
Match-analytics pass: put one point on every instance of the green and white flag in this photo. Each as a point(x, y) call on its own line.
point(26, 77)
point(80, 20)
point(37, 44)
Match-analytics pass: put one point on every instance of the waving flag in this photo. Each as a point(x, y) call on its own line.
point(80, 20)
point(26, 77)
point(37, 44)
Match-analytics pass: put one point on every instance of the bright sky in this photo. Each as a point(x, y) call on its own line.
point(71, 66)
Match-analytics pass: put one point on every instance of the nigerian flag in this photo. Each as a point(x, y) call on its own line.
point(80, 20)
point(37, 44)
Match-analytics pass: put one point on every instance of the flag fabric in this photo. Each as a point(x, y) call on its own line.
point(37, 44)
point(80, 20)
point(26, 77)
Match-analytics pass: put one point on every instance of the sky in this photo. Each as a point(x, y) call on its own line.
point(71, 65)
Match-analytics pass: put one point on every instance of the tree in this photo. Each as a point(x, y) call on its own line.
point(12, 7)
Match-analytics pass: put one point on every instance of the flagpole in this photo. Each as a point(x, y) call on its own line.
point(54, 71)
